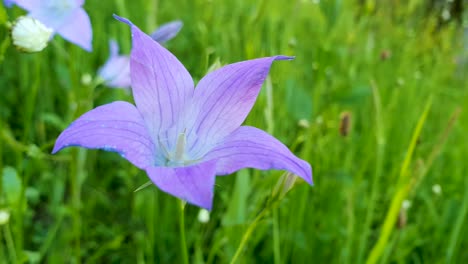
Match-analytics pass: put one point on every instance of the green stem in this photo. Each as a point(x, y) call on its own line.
point(375, 185)
point(10, 244)
point(183, 243)
point(75, 202)
point(247, 235)
point(405, 183)
point(152, 7)
point(456, 231)
point(276, 237)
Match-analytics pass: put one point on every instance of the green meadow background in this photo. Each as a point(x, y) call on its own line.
point(375, 100)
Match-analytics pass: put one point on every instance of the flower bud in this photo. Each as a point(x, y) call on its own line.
point(29, 34)
point(345, 123)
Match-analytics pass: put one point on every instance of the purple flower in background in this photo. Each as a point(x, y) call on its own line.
point(183, 137)
point(9, 3)
point(116, 71)
point(167, 31)
point(65, 17)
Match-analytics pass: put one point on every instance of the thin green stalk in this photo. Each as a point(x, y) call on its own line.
point(31, 100)
point(151, 223)
point(9, 243)
point(123, 12)
point(456, 231)
point(27, 128)
point(75, 203)
point(380, 147)
point(402, 192)
point(51, 236)
point(247, 235)
point(152, 9)
point(276, 238)
point(183, 243)
point(269, 106)
point(77, 166)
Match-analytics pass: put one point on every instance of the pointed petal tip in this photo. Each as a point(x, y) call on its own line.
point(58, 145)
point(193, 184)
point(283, 57)
point(55, 150)
point(122, 19)
point(178, 24)
point(307, 177)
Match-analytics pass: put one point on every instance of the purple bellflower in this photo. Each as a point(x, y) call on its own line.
point(65, 17)
point(116, 71)
point(167, 31)
point(9, 3)
point(183, 137)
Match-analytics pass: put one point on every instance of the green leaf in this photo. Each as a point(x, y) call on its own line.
point(3, 15)
point(237, 210)
point(12, 185)
point(299, 102)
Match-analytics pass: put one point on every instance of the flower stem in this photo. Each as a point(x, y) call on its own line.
point(10, 244)
point(247, 235)
point(183, 243)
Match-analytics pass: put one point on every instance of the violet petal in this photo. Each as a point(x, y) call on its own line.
point(224, 98)
point(161, 87)
point(250, 147)
point(167, 31)
point(194, 184)
point(116, 71)
point(77, 29)
point(28, 4)
point(116, 127)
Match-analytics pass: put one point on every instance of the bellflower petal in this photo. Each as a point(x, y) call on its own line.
point(116, 71)
point(161, 87)
point(167, 31)
point(116, 127)
point(194, 184)
point(65, 17)
point(113, 48)
point(250, 147)
point(224, 98)
point(77, 29)
point(27, 4)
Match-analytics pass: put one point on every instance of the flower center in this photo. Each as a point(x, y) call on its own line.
point(177, 157)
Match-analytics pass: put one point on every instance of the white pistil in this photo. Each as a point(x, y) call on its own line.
point(180, 148)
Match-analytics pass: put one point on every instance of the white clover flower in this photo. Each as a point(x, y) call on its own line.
point(436, 189)
point(304, 123)
point(30, 35)
point(406, 204)
point(86, 79)
point(203, 216)
point(4, 217)
point(445, 14)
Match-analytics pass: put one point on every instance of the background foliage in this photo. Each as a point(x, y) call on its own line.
point(397, 69)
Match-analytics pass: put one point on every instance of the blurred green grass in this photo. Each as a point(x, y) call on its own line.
point(380, 66)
